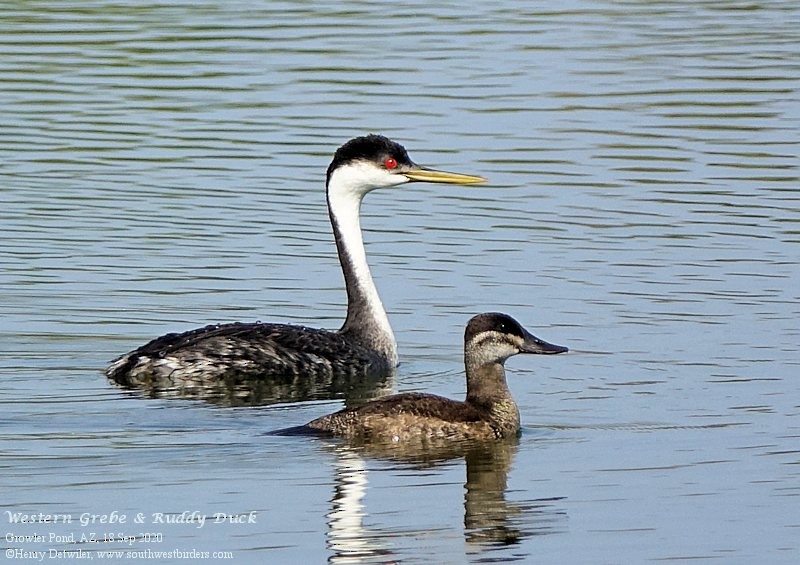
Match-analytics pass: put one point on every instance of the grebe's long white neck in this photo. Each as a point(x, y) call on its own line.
point(366, 320)
point(358, 167)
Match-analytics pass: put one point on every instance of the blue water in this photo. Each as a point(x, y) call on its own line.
point(161, 168)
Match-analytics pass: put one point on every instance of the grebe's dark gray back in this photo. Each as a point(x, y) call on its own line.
point(489, 411)
point(363, 346)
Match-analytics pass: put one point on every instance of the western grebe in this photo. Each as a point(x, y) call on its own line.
point(489, 411)
point(364, 345)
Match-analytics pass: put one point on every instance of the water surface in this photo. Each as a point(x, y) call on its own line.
point(162, 168)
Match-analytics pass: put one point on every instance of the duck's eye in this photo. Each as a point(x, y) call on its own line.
point(390, 163)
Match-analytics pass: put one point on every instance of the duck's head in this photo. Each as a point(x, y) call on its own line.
point(374, 161)
point(493, 337)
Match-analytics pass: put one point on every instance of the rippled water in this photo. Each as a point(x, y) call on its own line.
point(162, 168)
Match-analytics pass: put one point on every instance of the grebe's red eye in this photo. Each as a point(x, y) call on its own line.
point(390, 163)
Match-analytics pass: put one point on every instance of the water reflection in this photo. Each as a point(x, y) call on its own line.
point(234, 391)
point(348, 538)
point(490, 519)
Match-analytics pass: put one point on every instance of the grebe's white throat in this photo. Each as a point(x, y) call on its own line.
point(366, 315)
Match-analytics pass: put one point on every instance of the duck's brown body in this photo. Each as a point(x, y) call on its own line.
point(403, 417)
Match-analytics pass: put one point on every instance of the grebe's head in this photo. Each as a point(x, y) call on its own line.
point(374, 161)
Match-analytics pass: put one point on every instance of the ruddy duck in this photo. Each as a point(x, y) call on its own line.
point(489, 411)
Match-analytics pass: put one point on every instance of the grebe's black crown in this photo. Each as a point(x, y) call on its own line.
point(370, 147)
point(493, 321)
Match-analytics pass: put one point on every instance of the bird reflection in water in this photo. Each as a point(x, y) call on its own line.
point(233, 392)
point(490, 520)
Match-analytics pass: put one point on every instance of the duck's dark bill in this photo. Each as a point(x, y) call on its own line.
point(535, 345)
